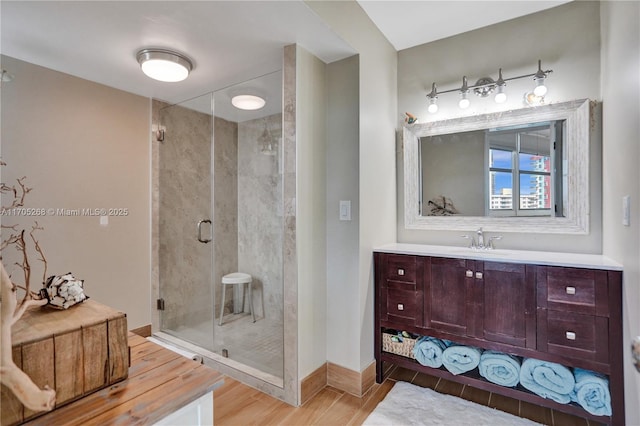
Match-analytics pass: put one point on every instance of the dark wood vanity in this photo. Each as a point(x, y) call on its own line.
point(545, 310)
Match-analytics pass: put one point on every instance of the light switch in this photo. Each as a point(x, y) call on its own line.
point(345, 210)
point(626, 210)
point(104, 220)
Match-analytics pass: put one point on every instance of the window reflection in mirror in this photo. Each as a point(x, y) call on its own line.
point(498, 172)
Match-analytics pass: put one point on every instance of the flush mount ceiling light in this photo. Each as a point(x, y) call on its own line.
point(164, 65)
point(248, 102)
point(486, 85)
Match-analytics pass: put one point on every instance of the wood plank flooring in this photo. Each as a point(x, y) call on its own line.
point(236, 404)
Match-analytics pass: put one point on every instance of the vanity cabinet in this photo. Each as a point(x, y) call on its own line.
point(485, 300)
point(568, 315)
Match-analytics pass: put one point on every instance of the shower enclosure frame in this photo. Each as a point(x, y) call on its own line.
point(289, 391)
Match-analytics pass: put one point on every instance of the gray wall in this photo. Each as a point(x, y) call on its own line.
point(562, 44)
point(621, 156)
point(83, 145)
point(377, 111)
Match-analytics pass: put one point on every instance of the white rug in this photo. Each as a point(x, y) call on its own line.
point(408, 404)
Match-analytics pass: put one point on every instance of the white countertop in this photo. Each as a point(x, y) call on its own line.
point(578, 260)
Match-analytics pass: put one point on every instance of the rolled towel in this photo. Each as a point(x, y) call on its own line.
point(500, 368)
point(459, 359)
point(547, 379)
point(428, 351)
point(592, 392)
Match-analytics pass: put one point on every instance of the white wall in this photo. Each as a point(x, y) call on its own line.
point(83, 145)
point(562, 43)
point(342, 184)
point(377, 215)
point(311, 211)
point(621, 156)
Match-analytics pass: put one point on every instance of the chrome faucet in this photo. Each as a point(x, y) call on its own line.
point(480, 239)
point(480, 245)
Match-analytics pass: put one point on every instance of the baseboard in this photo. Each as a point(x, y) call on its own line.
point(144, 331)
point(313, 383)
point(353, 382)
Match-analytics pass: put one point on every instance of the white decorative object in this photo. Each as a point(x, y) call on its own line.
point(576, 219)
point(64, 291)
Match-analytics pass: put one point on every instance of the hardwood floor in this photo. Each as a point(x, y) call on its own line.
point(236, 404)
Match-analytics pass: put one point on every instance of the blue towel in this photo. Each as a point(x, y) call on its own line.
point(592, 392)
point(460, 359)
point(547, 379)
point(428, 351)
point(500, 368)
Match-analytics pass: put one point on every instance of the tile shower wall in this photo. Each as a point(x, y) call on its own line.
point(260, 220)
point(225, 206)
point(184, 199)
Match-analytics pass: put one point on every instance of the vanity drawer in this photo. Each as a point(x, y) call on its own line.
point(574, 335)
point(401, 268)
point(402, 307)
point(575, 290)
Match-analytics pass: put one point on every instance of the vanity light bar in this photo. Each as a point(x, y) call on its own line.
point(486, 85)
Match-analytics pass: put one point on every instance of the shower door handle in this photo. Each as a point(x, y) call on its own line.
point(207, 240)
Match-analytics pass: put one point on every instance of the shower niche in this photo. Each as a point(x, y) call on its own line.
point(218, 209)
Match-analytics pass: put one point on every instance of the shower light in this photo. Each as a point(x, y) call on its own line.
point(486, 85)
point(164, 65)
point(248, 102)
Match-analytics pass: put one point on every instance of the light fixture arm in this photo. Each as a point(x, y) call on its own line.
point(492, 84)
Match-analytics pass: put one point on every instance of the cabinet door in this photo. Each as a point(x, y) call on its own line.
point(508, 305)
point(447, 295)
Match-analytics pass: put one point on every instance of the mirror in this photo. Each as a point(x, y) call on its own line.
point(517, 171)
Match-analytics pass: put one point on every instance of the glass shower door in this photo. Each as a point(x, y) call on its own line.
point(185, 217)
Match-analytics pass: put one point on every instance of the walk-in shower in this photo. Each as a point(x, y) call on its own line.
point(218, 209)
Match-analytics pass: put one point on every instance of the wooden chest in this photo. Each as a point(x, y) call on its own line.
point(76, 352)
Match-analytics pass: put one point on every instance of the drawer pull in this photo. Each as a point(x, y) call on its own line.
point(400, 307)
point(469, 273)
point(401, 272)
point(478, 275)
point(571, 290)
point(570, 335)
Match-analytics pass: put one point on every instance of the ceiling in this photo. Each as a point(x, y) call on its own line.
point(230, 42)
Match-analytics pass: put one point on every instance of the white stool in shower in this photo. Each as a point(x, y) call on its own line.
point(238, 278)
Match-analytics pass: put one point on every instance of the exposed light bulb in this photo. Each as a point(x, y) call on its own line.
point(464, 101)
point(433, 97)
point(500, 97)
point(540, 89)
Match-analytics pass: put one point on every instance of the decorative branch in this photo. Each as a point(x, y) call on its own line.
point(11, 376)
point(38, 249)
point(11, 311)
point(19, 194)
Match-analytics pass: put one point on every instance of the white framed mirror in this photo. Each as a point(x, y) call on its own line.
point(563, 184)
